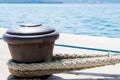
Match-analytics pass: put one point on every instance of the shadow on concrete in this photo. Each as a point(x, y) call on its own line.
point(101, 76)
point(105, 76)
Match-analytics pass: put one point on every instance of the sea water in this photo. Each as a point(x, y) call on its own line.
point(83, 19)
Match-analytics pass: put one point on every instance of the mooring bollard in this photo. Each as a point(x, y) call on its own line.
point(31, 43)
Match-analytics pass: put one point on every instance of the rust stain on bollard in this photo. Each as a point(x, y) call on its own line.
point(31, 43)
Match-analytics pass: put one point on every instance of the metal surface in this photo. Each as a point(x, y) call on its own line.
point(31, 43)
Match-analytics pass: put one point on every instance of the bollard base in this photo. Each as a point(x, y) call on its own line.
point(12, 77)
point(45, 77)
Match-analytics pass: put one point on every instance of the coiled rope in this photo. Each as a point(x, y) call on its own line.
point(61, 63)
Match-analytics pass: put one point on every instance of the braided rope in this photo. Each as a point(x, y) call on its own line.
point(66, 56)
point(60, 65)
point(56, 58)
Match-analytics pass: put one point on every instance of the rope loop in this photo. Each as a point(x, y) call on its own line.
point(61, 63)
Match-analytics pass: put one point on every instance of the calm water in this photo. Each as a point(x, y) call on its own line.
point(85, 19)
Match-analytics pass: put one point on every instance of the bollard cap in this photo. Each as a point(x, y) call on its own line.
point(30, 34)
point(30, 30)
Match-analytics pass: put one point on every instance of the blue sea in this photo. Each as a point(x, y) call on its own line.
point(84, 19)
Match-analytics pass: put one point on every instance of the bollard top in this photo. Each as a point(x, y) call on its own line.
point(30, 30)
point(30, 33)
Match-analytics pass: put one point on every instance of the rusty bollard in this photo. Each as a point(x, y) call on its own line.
point(31, 43)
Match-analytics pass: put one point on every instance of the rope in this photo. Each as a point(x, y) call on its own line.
point(88, 48)
point(67, 56)
point(60, 65)
point(57, 57)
